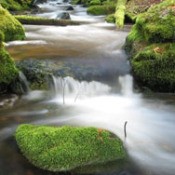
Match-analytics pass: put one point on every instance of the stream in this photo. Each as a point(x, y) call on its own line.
point(106, 101)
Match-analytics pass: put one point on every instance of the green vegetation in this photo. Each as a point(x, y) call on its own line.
point(101, 9)
point(152, 49)
point(8, 70)
point(16, 4)
point(10, 27)
point(24, 19)
point(120, 13)
point(136, 7)
point(110, 18)
point(65, 148)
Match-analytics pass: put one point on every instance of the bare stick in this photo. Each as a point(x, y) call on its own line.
point(125, 133)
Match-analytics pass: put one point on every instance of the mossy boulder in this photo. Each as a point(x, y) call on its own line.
point(65, 148)
point(151, 45)
point(153, 67)
point(8, 70)
point(10, 27)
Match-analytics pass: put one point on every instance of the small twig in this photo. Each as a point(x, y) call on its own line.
point(125, 132)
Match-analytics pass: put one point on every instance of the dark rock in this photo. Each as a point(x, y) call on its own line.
point(65, 1)
point(69, 8)
point(63, 15)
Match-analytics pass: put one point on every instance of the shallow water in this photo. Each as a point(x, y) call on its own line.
point(104, 104)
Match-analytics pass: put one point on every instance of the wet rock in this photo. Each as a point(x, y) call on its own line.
point(69, 8)
point(7, 101)
point(65, 1)
point(63, 15)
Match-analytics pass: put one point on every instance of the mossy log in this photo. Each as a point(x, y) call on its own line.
point(32, 20)
point(120, 13)
point(65, 148)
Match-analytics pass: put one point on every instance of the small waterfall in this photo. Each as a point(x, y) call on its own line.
point(69, 88)
point(24, 85)
point(126, 83)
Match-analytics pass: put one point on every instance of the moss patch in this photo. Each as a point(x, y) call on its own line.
point(16, 4)
point(120, 13)
point(153, 67)
point(10, 27)
point(8, 70)
point(101, 9)
point(65, 148)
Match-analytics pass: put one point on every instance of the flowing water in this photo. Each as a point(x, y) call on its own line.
point(107, 103)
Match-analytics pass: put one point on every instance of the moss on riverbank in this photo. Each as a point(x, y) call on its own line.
point(8, 70)
point(10, 27)
point(65, 148)
point(101, 9)
point(151, 45)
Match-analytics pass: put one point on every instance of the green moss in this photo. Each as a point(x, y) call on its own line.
point(2, 37)
point(153, 67)
point(10, 27)
point(24, 19)
point(8, 71)
point(120, 13)
point(95, 2)
point(101, 10)
point(16, 4)
point(65, 148)
point(110, 18)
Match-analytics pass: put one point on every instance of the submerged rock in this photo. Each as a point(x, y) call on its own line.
point(65, 148)
point(152, 48)
point(63, 15)
point(69, 8)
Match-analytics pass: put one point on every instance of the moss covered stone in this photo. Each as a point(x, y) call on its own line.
point(65, 148)
point(10, 27)
point(151, 47)
point(8, 70)
point(153, 67)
